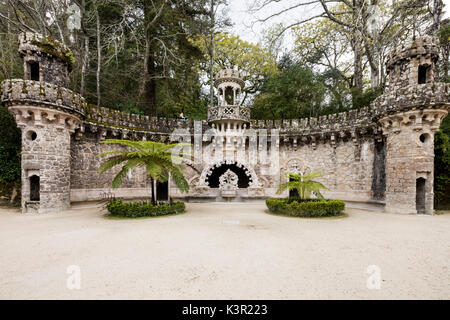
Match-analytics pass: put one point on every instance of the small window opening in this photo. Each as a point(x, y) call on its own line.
point(31, 135)
point(35, 188)
point(229, 95)
point(424, 137)
point(34, 71)
point(423, 70)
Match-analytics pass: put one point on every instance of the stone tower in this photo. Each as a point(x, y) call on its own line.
point(413, 107)
point(47, 114)
point(229, 115)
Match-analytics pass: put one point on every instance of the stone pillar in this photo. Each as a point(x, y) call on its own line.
point(410, 159)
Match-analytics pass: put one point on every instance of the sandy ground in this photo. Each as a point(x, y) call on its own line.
point(223, 251)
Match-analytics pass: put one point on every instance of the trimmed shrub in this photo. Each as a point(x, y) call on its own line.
point(119, 208)
point(305, 208)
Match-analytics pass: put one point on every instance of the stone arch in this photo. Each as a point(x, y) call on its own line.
point(249, 171)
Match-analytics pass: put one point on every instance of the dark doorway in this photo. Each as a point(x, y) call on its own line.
point(423, 74)
point(35, 188)
point(379, 169)
point(34, 71)
point(162, 191)
point(229, 95)
point(420, 195)
point(293, 193)
point(243, 179)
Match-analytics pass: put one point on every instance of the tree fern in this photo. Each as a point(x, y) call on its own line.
point(155, 157)
point(303, 184)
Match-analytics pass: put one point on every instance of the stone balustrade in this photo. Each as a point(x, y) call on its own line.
point(229, 112)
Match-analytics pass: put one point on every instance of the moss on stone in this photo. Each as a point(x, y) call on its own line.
point(54, 48)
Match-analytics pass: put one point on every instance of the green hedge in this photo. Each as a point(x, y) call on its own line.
point(119, 208)
point(305, 208)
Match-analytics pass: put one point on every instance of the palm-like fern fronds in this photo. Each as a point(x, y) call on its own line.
point(303, 184)
point(155, 157)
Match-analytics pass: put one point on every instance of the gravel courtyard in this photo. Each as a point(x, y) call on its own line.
point(223, 251)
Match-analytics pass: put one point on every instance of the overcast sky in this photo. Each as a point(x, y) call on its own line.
point(242, 19)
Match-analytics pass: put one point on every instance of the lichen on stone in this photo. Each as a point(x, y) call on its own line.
point(55, 48)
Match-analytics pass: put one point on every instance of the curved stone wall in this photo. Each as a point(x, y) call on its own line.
point(35, 93)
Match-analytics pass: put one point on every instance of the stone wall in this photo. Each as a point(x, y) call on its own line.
point(88, 184)
point(347, 164)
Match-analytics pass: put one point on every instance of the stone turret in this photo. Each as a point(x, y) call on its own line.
point(229, 115)
point(47, 114)
point(413, 64)
point(415, 106)
point(45, 59)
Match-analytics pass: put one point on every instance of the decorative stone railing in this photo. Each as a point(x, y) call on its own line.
point(28, 92)
point(229, 112)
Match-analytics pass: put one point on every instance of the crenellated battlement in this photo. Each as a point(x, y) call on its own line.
point(412, 63)
point(428, 95)
point(423, 46)
point(44, 94)
point(123, 121)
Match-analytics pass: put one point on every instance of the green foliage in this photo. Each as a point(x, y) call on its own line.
point(11, 66)
point(442, 166)
point(10, 146)
point(444, 34)
point(304, 185)
point(129, 107)
point(293, 93)
point(118, 208)
point(365, 98)
point(156, 157)
point(255, 62)
point(305, 208)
